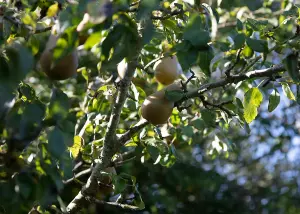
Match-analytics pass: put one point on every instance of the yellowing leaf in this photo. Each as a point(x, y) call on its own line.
point(252, 101)
point(131, 144)
point(75, 149)
point(52, 10)
point(287, 91)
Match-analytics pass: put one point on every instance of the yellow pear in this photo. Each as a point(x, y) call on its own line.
point(64, 68)
point(166, 70)
point(156, 108)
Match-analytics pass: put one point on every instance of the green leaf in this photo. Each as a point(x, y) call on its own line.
point(146, 7)
point(59, 105)
point(92, 40)
point(291, 65)
point(204, 60)
point(274, 100)
point(120, 183)
point(56, 144)
point(34, 44)
point(257, 45)
point(239, 25)
point(198, 124)
point(239, 103)
point(174, 96)
point(287, 91)
point(171, 25)
point(65, 44)
point(252, 100)
point(187, 58)
point(257, 25)
point(195, 33)
point(209, 117)
point(113, 37)
point(153, 151)
point(247, 52)
point(148, 31)
point(188, 131)
point(239, 40)
point(138, 201)
point(142, 94)
point(26, 92)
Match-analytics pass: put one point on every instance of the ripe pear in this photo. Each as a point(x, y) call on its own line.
point(156, 108)
point(64, 68)
point(166, 70)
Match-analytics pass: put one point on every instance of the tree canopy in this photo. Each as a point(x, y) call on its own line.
point(76, 77)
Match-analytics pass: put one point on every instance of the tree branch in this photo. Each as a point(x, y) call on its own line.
point(78, 175)
point(219, 106)
point(31, 29)
point(269, 72)
point(114, 204)
point(174, 13)
point(132, 131)
point(111, 143)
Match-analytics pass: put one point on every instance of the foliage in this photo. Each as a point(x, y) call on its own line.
point(229, 147)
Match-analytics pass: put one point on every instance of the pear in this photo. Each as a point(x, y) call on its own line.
point(166, 70)
point(64, 68)
point(156, 108)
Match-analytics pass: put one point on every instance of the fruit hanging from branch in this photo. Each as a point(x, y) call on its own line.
point(166, 70)
point(156, 108)
point(63, 68)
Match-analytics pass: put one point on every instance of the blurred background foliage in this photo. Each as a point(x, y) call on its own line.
point(207, 164)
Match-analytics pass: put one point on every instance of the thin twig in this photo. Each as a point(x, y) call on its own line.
point(219, 106)
point(55, 209)
point(184, 85)
point(131, 97)
point(181, 108)
point(114, 204)
point(174, 13)
point(120, 163)
point(43, 30)
point(152, 62)
point(269, 72)
point(134, 3)
point(227, 72)
point(78, 175)
point(256, 59)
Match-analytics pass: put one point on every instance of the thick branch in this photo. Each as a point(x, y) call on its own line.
point(110, 144)
point(269, 72)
